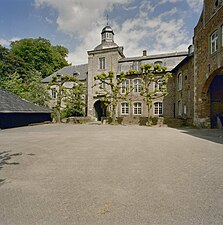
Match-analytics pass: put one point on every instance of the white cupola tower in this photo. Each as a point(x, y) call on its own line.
point(107, 34)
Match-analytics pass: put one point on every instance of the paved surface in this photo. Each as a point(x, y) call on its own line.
point(110, 175)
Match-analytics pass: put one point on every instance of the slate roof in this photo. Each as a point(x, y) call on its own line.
point(150, 57)
point(79, 71)
point(11, 103)
point(106, 45)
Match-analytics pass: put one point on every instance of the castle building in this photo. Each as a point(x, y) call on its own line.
point(197, 84)
point(195, 90)
point(108, 56)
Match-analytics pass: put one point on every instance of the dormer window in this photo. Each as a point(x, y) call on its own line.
point(75, 73)
point(158, 63)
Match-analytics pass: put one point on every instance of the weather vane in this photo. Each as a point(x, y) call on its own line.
point(107, 19)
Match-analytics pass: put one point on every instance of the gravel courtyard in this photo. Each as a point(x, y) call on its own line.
point(110, 175)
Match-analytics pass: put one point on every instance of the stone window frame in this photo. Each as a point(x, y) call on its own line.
point(137, 108)
point(180, 81)
point(137, 85)
point(158, 85)
point(102, 63)
point(180, 107)
point(222, 35)
point(214, 39)
point(124, 87)
point(158, 108)
point(54, 93)
point(124, 108)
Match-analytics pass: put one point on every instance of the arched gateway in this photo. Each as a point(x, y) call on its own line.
point(100, 110)
point(213, 89)
point(216, 101)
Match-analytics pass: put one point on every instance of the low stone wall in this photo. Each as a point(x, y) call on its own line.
point(178, 122)
point(77, 120)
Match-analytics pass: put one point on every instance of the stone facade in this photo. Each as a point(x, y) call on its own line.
point(195, 90)
point(208, 63)
point(201, 95)
point(169, 60)
point(179, 102)
point(110, 57)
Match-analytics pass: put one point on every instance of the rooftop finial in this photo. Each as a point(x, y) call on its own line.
point(107, 19)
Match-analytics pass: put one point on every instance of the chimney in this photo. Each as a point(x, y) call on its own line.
point(144, 53)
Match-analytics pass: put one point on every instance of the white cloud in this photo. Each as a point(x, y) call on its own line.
point(145, 30)
point(78, 16)
point(196, 5)
point(6, 42)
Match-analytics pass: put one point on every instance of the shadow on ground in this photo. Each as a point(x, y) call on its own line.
point(214, 135)
point(6, 159)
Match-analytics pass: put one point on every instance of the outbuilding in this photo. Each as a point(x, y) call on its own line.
point(16, 112)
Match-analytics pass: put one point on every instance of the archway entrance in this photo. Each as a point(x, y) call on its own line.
point(100, 110)
point(216, 101)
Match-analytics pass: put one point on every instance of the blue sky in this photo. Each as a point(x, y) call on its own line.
point(158, 26)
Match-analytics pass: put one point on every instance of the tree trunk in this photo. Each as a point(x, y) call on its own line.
point(149, 121)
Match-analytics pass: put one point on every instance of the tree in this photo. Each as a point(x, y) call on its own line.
point(23, 66)
point(40, 55)
point(32, 89)
point(110, 91)
point(70, 97)
point(150, 75)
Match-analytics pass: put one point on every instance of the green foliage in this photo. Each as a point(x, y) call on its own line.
point(40, 55)
point(32, 89)
point(23, 66)
point(72, 97)
point(150, 75)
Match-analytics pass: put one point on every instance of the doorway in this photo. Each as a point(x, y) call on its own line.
point(100, 110)
point(216, 100)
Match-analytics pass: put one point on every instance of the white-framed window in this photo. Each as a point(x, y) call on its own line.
point(134, 65)
point(158, 85)
point(158, 109)
point(103, 36)
point(54, 93)
point(102, 63)
point(137, 108)
point(185, 110)
point(180, 108)
point(214, 42)
point(124, 86)
point(124, 108)
point(222, 35)
point(179, 81)
point(137, 85)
